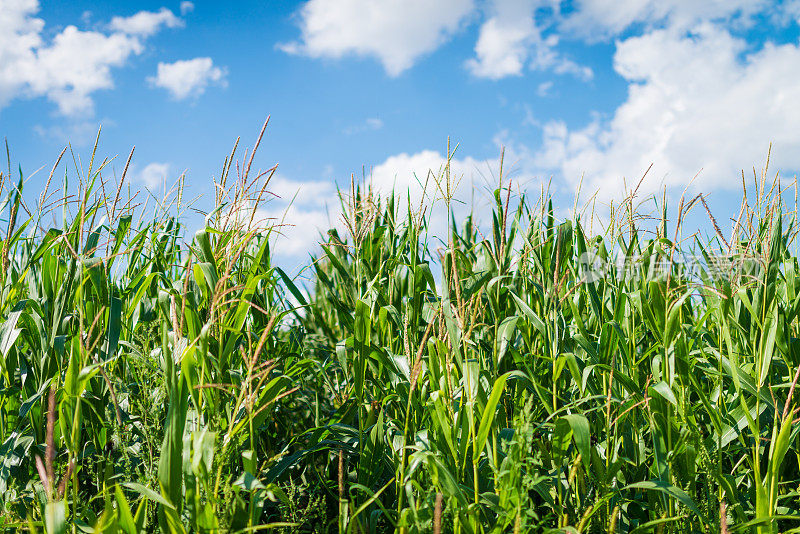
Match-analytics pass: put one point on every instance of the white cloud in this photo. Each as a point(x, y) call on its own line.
point(153, 175)
point(396, 32)
point(370, 124)
point(512, 38)
point(298, 230)
point(517, 33)
point(186, 7)
point(301, 213)
point(67, 69)
point(374, 123)
point(595, 19)
point(696, 102)
point(543, 89)
point(417, 174)
point(304, 211)
point(472, 181)
point(546, 57)
point(20, 35)
point(77, 64)
point(306, 194)
point(146, 23)
point(504, 41)
point(189, 77)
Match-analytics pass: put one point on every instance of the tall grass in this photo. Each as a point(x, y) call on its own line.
point(511, 382)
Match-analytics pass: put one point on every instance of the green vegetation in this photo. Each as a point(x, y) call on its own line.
point(151, 380)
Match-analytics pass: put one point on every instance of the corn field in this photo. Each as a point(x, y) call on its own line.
point(153, 378)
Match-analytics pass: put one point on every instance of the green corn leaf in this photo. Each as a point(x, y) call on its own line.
point(487, 419)
point(672, 491)
point(55, 517)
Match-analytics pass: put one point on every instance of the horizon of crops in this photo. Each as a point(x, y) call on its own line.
point(538, 378)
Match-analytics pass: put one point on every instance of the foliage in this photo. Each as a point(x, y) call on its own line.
point(149, 381)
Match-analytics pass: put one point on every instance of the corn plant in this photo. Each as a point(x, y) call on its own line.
point(520, 373)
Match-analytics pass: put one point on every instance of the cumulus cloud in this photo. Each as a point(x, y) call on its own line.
point(189, 77)
point(699, 99)
point(697, 102)
point(512, 38)
point(71, 66)
point(517, 33)
point(502, 48)
point(603, 19)
point(419, 172)
point(396, 32)
point(300, 213)
point(304, 211)
point(312, 193)
point(298, 230)
point(146, 23)
point(153, 175)
point(514, 35)
point(186, 7)
point(421, 176)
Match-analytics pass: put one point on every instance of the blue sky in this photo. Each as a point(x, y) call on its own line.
point(583, 87)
